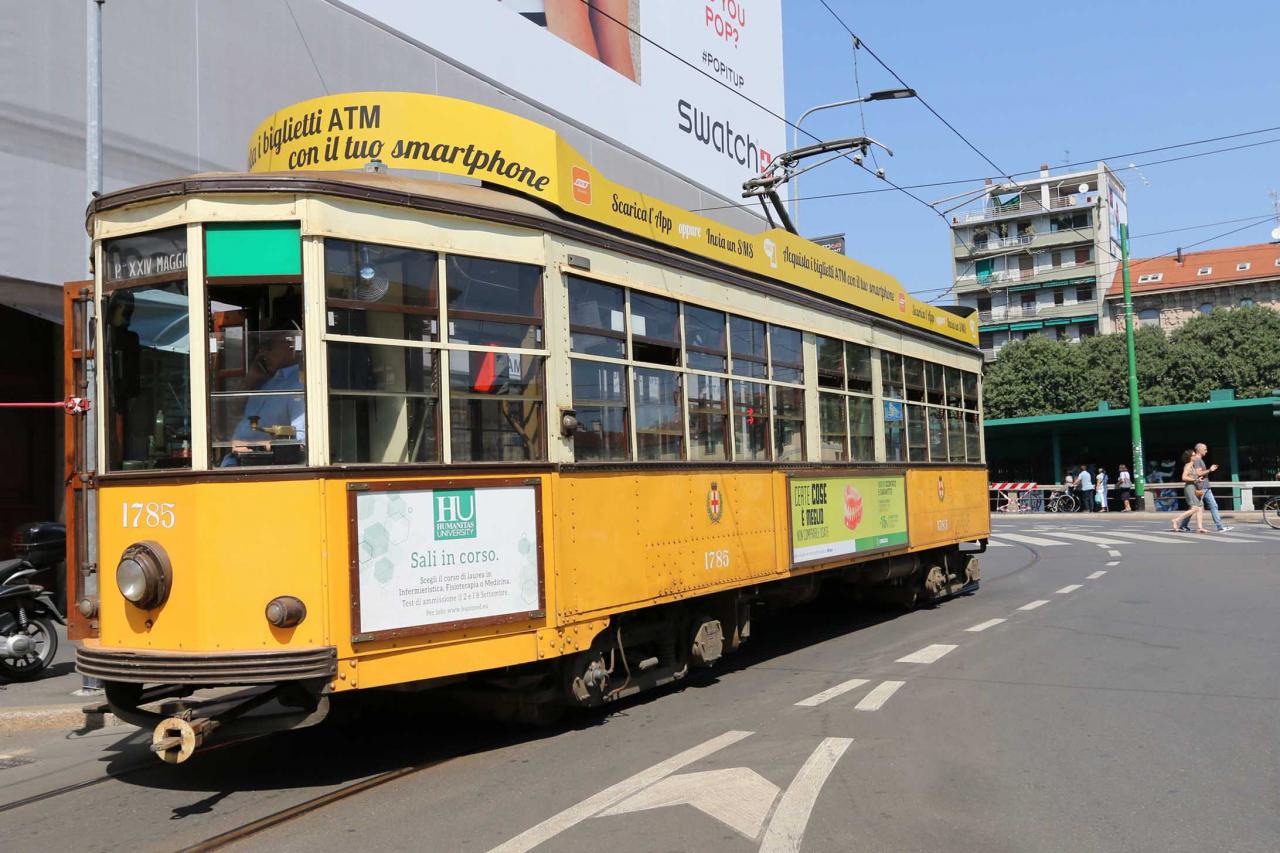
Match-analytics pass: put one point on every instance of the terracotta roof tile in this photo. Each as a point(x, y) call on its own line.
point(1263, 260)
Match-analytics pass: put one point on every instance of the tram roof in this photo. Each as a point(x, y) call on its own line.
point(483, 202)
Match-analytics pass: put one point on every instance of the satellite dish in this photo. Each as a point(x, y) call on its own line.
point(1084, 188)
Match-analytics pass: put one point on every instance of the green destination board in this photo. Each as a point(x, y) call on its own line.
point(837, 516)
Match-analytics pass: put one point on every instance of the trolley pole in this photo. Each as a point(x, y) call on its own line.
point(1135, 424)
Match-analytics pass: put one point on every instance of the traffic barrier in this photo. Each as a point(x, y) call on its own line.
point(1167, 497)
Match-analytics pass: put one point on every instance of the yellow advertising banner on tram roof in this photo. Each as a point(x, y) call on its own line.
point(408, 130)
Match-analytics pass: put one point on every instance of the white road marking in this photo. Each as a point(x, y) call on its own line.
point(1071, 587)
point(992, 543)
point(1210, 537)
point(1097, 574)
point(1101, 545)
point(982, 626)
point(1112, 563)
point(574, 815)
point(1028, 540)
point(831, 693)
point(738, 797)
point(1143, 537)
point(1040, 602)
point(928, 654)
point(786, 828)
point(1096, 540)
point(878, 696)
point(1113, 553)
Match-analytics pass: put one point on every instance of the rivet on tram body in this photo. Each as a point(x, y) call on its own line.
point(351, 663)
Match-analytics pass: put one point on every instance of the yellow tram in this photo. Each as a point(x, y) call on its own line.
point(356, 429)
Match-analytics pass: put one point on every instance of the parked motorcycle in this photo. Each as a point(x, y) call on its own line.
point(28, 611)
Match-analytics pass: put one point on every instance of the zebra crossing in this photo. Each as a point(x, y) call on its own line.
point(1049, 537)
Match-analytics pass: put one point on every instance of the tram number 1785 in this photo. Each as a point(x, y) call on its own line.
point(716, 559)
point(152, 514)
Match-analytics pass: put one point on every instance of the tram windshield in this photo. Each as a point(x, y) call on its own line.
point(148, 372)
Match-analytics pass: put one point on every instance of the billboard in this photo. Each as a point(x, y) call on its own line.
point(669, 79)
point(837, 516)
point(434, 559)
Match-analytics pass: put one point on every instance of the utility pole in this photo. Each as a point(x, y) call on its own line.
point(1135, 424)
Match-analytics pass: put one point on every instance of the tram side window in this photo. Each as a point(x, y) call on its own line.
point(833, 428)
point(596, 325)
point(747, 340)
point(830, 363)
point(786, 353)
point(933, 379)
point(381, 291)
point(895, 431)
point(384, 403)
point(257, 365)
point(955, 432)
point(972, 417)
point(708, 418)
point(659, 409)
point(655, 329)
point(891, 375)
point(862, 429)
point(384, 399)
point(704, 339)
point(497, 398)
point(600, 399)
point(751, 420)
point(788, 423)
point(914, 370)
point(917, 441)
point(937, 434)
point(858, 359)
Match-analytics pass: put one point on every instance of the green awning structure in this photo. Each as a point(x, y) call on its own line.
point(1019, 326)
point(1057, 282)
point(1060, 321)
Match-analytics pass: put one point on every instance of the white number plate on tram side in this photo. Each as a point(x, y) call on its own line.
point(149, 514)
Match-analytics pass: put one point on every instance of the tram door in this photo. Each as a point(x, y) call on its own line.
point(80, 475)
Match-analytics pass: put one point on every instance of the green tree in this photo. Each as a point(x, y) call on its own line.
point(1236, 348)
point(1036, 376)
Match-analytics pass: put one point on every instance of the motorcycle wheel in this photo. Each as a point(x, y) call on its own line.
point(43, 633)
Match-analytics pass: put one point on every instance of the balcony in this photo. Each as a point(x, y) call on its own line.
point(1065, 275)
point(1038, 242)
point(1024, 206)
point(1074, 310)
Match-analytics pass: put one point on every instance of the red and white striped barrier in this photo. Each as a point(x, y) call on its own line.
point(1013, 487)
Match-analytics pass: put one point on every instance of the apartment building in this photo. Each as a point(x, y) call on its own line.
point(1037, 256)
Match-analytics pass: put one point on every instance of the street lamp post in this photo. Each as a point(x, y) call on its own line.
point(885, 95)
point(1135, 425)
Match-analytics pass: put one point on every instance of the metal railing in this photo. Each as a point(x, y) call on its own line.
point(1233, 496)
point(1027, 206)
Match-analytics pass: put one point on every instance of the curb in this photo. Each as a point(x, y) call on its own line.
point(67, 717)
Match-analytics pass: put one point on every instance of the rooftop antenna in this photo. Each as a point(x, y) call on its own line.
point(1275, 204)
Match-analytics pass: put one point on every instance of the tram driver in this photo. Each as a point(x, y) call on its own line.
point(273, 430)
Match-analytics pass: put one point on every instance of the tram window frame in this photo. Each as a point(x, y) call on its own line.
point(702, 420)
point(859, 374)
point(862, 443)
point(788, 422)
point(833, 409)
point(752, 421)
point(492, 321)
point(708, 354)
point(612, 445)
point(935, 381)
point(419, 412)
point(586, 338)
point(936, 418)
point(655, 349)
point(642, 407)
point(749, 342)
point(917, 433)
point(831, 369)
point(892, 385)
point(783, 369)
point(343, 313)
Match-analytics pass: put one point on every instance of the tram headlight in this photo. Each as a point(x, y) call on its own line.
point(144, 575)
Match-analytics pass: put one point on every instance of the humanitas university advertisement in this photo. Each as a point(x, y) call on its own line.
point(838, 516)
point(665, 78)
point(439, 557)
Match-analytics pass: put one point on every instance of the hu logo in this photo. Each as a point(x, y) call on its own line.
point(455, 514)
point(581, 185)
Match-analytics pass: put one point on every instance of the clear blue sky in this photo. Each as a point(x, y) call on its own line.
point(1026, 83)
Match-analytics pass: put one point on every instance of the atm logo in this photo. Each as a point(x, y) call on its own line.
point(581, 185)
point(455, 514)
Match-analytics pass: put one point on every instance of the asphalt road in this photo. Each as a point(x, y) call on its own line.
point(1136, 708)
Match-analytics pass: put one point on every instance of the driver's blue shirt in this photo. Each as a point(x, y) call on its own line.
point(273, 410)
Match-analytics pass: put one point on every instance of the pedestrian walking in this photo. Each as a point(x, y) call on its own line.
point(1124, 486)
point(1084, 480)
point(1102, 489)
point(1195, 502)
point(1202, 483)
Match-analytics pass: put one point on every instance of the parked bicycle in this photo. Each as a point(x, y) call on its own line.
point(1271, 512)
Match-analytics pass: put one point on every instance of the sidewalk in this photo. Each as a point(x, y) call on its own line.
point(50, 702)
point(1235, 518)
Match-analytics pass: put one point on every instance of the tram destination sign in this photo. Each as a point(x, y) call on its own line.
point(433, 559)
point(430, 133)
point(838, 516)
